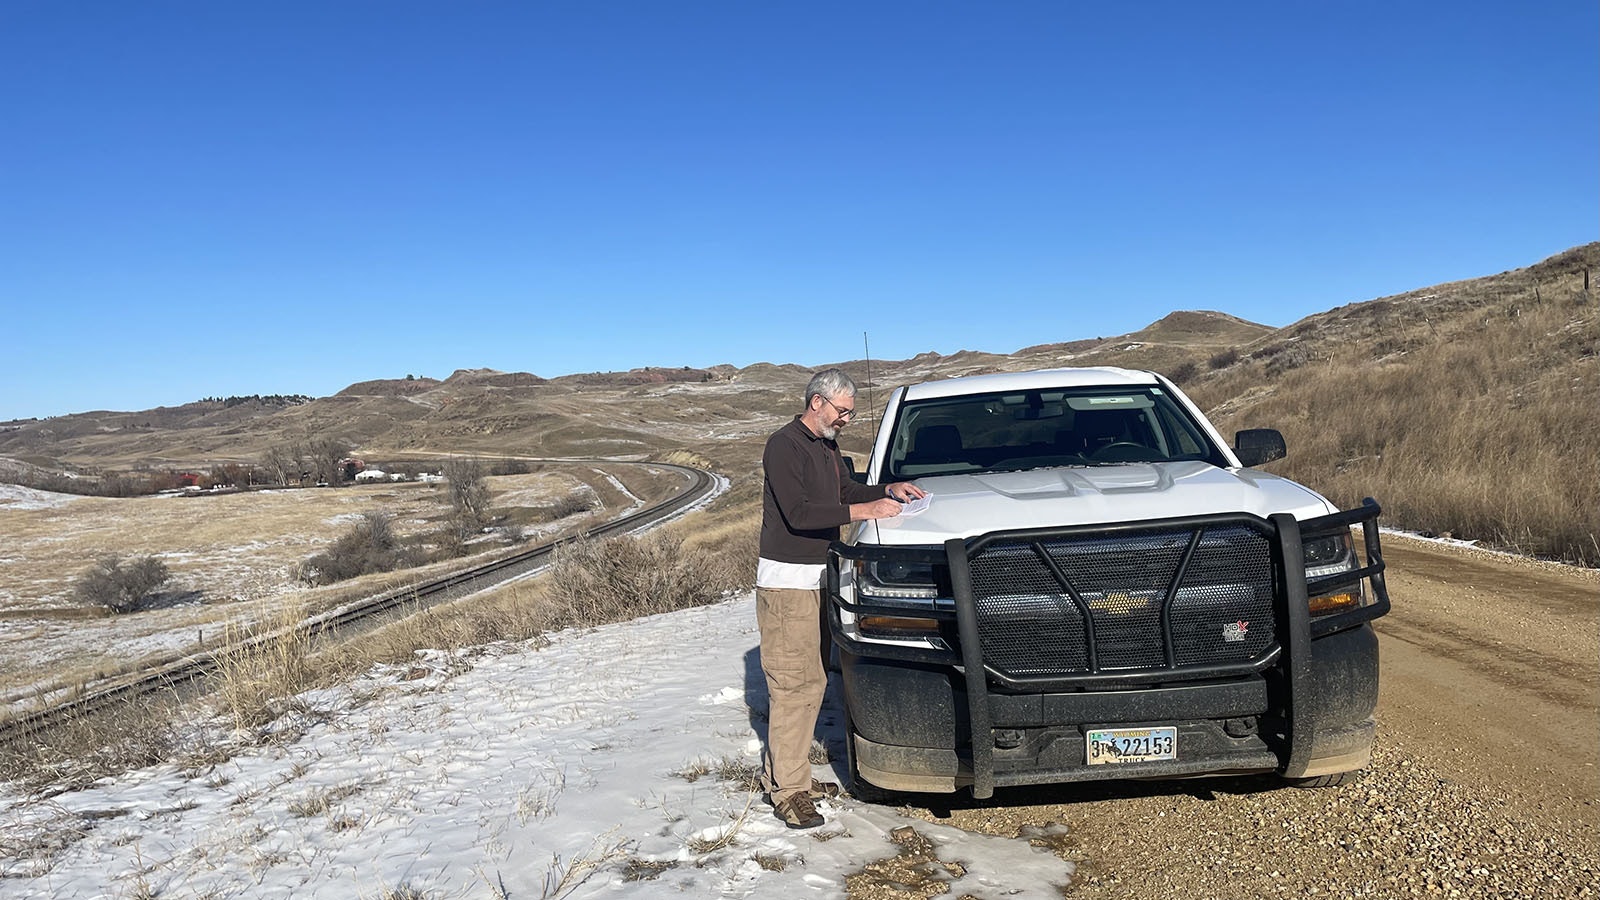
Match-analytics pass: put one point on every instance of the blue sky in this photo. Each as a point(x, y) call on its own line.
point(204, 199)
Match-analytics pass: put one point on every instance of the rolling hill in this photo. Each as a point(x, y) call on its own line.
point(1466, 407)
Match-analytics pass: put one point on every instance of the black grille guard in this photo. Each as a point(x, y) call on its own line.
point(1294, 627)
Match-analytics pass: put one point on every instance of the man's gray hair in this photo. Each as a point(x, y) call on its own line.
point(829, 383)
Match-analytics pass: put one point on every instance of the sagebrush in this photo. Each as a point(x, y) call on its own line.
point(371, 545)
point(120, 585)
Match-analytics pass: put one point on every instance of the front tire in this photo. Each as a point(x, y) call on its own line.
point(1325, 781)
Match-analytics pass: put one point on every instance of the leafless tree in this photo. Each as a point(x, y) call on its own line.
point(325, 454)
point(469, 493)
point(281, 464)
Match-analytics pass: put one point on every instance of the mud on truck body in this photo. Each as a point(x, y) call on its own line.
point(1100, 588)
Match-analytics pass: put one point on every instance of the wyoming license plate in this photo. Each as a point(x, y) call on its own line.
point(1126, 745)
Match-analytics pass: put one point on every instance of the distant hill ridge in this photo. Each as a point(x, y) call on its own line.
point(521, 412)
point(389, 387)
point(1462, 407)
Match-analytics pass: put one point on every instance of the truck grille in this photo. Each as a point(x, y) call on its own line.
point(1031, 612)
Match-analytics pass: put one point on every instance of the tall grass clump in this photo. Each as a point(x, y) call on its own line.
point(566, 505)
point(619, 578)
point(727, 546)
point(255, 676)
point(79, 752)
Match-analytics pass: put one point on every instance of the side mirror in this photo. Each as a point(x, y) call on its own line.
point(850, 467)
point(1255, 446)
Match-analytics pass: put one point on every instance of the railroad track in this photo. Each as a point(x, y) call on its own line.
point(189, 672)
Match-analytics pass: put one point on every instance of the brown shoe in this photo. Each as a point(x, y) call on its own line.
point(798, 812)
point(820, 790)
point(824, 790)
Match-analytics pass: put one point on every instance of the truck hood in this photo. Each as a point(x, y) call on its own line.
point(967, 505)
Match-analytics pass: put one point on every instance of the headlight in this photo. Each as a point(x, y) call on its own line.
point(897, 580)
point(1331, 555)
point(903, 600)
point(1326, 555)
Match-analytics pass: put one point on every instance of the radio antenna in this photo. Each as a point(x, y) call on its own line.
point(872, 410)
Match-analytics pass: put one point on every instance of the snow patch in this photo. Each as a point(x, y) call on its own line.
point(15, 496)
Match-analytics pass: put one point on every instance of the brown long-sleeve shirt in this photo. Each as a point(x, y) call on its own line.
point(806, 495)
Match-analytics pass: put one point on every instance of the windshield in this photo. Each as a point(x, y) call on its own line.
point(1037, 428)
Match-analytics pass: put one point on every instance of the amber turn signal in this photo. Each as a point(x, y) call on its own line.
point(899, 626)
point(1324, 604)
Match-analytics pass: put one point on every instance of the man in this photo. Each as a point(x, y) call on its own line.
point(807, 495)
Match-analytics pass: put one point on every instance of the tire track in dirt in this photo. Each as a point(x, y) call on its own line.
point(1489, 667)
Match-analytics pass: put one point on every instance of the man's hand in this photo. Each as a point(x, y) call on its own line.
point(877, 509)
point(905, 492)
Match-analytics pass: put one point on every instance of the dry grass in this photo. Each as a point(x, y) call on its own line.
point(604, 581)
point(562, 877)
point(1479, 422)
point(727, 769)
point(721, 838)
point(538, 800)
point(322, 801)
point(82, 751)
point(636, 869)
point(256, 679)
point(773, 862)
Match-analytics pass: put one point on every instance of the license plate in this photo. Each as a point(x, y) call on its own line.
point(1126, 745)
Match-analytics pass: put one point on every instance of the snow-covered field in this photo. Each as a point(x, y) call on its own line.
point(586, 766)
point(15, 496)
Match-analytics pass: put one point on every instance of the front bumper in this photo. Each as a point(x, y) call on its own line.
point(1302, 707)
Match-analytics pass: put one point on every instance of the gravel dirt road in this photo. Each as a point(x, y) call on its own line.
point(1484, 781)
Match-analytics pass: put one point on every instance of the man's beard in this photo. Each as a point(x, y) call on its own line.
point(830, 432)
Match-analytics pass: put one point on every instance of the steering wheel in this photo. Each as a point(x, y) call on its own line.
point(1121, 451)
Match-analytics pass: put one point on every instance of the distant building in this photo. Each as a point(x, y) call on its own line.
point(352, 467)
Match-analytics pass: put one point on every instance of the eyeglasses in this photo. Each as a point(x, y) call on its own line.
point(845, 415)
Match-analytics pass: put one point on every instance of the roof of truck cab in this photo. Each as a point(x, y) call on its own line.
point(1003, 382)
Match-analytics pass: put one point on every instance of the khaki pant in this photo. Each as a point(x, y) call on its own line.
point(791, 657)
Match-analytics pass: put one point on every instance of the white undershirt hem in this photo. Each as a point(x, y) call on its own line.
point(788, 576)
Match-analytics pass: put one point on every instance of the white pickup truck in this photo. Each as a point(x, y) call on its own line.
point(1099, 587)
